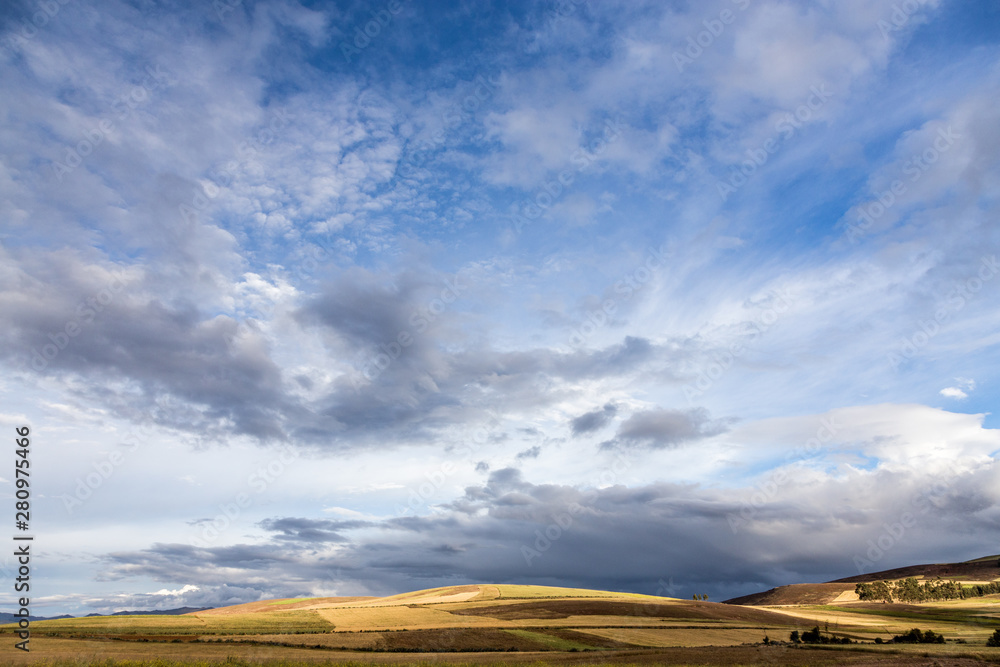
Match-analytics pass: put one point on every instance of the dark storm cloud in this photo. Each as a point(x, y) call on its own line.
point(162, 358)
point(141, 356)
point(310, 530)
point(371, 309)
point(594, 420)
point(509, 530)
point(428, 385)
point(663, 428)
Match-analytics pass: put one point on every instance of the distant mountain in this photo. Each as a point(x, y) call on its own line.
point(842, 590)
point(13, 618)
point(157, 612)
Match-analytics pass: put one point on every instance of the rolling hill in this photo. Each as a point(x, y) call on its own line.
point(535, 622)
point(842, 590)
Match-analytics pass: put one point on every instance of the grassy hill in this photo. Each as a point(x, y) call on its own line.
point(471, 623)
point(842, 590)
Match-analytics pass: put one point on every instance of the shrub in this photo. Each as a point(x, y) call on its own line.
point(916, 636)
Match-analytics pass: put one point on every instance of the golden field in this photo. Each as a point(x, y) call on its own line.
point(512, 624)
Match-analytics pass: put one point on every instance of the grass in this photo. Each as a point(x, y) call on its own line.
point(397, 618)
point(663, 637)
point(187, 624)
point(517, 592)
point(555, 643)
point(469, 624)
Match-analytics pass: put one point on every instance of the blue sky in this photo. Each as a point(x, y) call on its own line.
point(294, 308)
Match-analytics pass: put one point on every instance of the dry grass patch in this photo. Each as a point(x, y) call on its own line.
point(515, 591)
point(397, 618)
point(269, 605)
point(657, 637)
point(189, 624)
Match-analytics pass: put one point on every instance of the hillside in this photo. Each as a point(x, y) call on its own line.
point(453, 618)
point(842, 590)
point(794, 594)
point(980, 569)
point(539, 623)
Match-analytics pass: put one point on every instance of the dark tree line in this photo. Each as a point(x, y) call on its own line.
point(814, 636)
point(916, 636)
point(909, 590)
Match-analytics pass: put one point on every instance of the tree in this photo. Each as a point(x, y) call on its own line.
point(908, 590)
point(811, 636)
point(995, 639)
point(916, 636)
point(794, 637)
point(881, 591)
point(865, 592)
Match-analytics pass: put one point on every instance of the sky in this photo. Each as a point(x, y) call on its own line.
point(333, 298)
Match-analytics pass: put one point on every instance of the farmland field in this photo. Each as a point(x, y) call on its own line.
point(500, 624)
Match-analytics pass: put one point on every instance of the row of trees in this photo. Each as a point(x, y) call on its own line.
point(910, 590)
point(814, 636)
point(912, 636)
point(916, 636)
